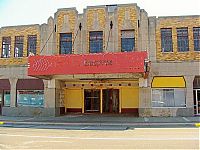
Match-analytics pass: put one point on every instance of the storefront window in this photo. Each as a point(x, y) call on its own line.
point(168, 98)
point(6, 98)
point(34, 98)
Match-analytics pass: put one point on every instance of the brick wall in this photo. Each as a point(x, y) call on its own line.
point(127, 19)
point(177, 22)
point(66, 22)
point(18, 31)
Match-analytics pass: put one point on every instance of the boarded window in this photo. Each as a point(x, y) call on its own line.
point(166, 40)
point(182, 39)
point(6, 47)
point(65, 43)
point(19, 45)
point(127, 40)
point(96, 42)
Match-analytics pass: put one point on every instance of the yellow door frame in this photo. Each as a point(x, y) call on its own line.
point(101, 97)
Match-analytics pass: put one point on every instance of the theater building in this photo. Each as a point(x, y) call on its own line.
point(109, 60)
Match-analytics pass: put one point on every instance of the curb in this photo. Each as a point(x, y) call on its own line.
point(197, 124)
point(97, 124)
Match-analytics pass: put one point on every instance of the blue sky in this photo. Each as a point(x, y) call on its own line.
point(20, 12)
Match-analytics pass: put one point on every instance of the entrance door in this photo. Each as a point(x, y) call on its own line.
point(92, 100)
point(1, 102)
point(111, 101)
point(196, 94)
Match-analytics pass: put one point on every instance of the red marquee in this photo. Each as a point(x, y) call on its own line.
point(99, 63)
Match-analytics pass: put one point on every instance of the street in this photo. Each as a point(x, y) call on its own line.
point(135, 138)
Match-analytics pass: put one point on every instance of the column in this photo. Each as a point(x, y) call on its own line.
point(13, 90)
point(189, 91)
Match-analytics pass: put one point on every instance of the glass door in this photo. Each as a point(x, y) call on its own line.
point(110, 100)
point(196, 94)
point(92, 100)
point(1, 101)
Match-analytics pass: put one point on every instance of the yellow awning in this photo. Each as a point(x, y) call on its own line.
point(168, 82)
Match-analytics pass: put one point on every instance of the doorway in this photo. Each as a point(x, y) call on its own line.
point(196, 94)
point(92, 100)
point(110, 100)
point(1, 101)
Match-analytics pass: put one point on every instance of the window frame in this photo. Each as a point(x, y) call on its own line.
point(4, 104)
point(97, 40)
point(128, 39)
point(181, 39)
point(19, 42)
point(166, 41)
point(173, 101)
point(67, 42)
point(5, 45)
point(31, 51)
point(33, 93)
point(197, 39)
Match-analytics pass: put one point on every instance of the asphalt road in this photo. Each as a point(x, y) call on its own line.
point(137, 138)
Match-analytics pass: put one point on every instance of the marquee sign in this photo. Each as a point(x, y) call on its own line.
point(98, 63)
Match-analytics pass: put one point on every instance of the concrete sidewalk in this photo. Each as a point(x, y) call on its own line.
point(99, 119)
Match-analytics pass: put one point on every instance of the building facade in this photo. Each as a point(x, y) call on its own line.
point(110, 59)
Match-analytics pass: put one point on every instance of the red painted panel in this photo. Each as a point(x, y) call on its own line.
point(100, 63)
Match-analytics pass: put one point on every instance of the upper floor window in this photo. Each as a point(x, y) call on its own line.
point(196, 34)
point(127, 40)
point(96, 42)
point(6, 47)
point(166, 40)
point(182, 39)
point(32, 45)
point(65, 43)
point(19, 45)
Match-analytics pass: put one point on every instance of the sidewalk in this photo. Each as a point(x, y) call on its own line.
point(99, 120)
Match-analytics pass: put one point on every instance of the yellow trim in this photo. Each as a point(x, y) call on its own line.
point(197, 124)
point(73, 98)
point(101, 101)
point(168, 82)
point(130, 97)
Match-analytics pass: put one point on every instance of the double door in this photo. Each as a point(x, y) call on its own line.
point(196, 95)
point(101, 100)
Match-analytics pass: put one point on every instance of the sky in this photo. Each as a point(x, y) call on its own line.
point(24, 12)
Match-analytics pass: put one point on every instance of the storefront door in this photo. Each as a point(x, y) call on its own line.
point(1, 101)
point(92, 100)
point(110, 101)
point(196, 93)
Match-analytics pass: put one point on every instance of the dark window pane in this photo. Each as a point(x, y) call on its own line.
point(182, 39)
point(166, 40)
point(127, 40)
point(96, 42)
point(32, 45)
point(19, 42)
point(196, 34)
point(6, 47)
point(65, 43)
